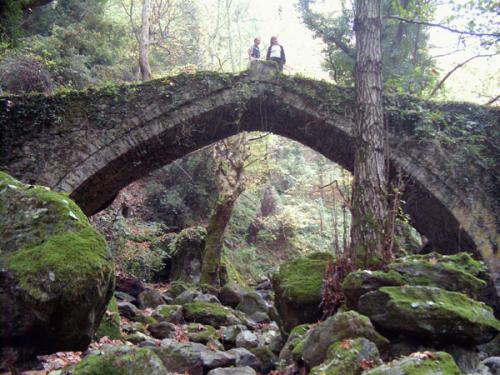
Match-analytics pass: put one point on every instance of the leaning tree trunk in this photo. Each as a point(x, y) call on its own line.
point(144, 42)
point(369, 198)
point(231, 155)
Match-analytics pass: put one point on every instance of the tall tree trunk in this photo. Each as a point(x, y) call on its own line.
point(369, 198)
point(232, 155)
point(144, 41)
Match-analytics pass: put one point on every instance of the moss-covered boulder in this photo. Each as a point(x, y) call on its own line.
point(298, 285)
point(433, 314)
point(186, 253)
point(427, 363)
point(168, 313)
point(343, 325)
point(56, 271)
point(349, 357)
point(124, 360)
point(210, 313)
point(110, 323)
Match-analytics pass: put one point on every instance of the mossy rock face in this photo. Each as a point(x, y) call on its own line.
point(57, 274)
point(168, 313)
point(297, 334)
point(298, 285)
point(361, 282)
point(123, 360)
point(266, 357)
point(348, 357)
point(433, 314)
point(187, 255)
point(210, 313)
point(110, 323)
point(201, 333)
point(457, 273)
point(341, 326)
point(439, 363)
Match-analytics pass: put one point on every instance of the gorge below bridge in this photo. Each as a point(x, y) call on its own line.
point(93, 143)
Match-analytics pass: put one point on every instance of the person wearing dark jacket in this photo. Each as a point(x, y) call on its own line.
point(254, 50)
point(276, 52)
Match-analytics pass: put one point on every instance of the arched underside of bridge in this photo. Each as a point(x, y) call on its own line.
point(93, 144)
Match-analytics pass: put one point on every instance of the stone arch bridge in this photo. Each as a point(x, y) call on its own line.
point(95, 142)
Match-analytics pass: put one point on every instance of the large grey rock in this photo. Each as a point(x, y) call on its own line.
point(233, 371)
point(210, 298)
point(186, 297)
point(297, 335)
point(433, 314)
point(162, 330)
point(168, 313)
point(489, 366)
point(56, 271)
point(180, 357)
point(343, 325)
point(150, 298)
point(251, 303)
point(231, 332)
point(243, 357)
point(230, 295)
point(187, 254)
point(127, 310)
point(247, 340)
point(210, 313)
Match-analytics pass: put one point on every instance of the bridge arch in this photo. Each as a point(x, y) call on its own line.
point(91, 144)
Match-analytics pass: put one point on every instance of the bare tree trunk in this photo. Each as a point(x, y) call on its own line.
point(232, 155)
point(144, 41)
point(369, 197)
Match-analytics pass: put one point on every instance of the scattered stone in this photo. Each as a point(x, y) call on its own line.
point(467, 359)
point(122, 360)
point(201, 333)
point(264, 285)
point(341, 326)
point(150, 298)
point(489, 366)
point(298, 285)
point(209, 313)
point(260, 317)
point(230, 295)
point(251, 303)
point(148, 344)
point(441, 316)
point(209, 298)
point(162, 330)
point(266, 357)
point(124, 297)
point(491, 348)
point(247, 340)
point(244, 357)
point(169, 313)
point(137, 337)
point(129, 285)
point(229, 334)
point(233, 371)
point(349, 357)
point(127, 310)
point(56, 273)
point(428, 363)
point(186, 297)
point(180, 357)
point(177, 287)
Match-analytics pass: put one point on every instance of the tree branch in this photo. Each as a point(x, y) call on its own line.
point(450, 29)
point(440, 83)
point(492, 100)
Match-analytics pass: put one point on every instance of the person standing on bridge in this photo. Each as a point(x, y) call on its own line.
point(276, 52)
point(254, 50)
